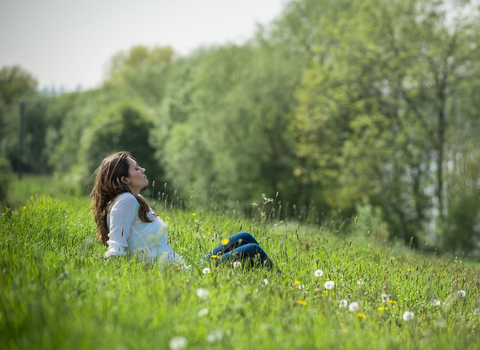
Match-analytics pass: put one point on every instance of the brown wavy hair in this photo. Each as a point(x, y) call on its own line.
point(108, 186)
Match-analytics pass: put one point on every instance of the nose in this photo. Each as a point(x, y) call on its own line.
point(143, 170)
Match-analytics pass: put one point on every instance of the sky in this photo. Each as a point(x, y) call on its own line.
point(68, 43)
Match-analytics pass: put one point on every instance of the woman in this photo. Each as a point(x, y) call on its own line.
point(126, 224)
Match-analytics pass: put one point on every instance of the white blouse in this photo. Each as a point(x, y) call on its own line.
point(146, 240)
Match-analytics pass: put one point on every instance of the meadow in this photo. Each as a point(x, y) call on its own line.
point(336, 286)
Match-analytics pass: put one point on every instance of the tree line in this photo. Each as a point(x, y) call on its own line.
point(336, 105)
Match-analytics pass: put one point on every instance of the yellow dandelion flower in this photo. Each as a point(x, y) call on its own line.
point(225, 241)
point(208, 232)
point(24, 208)
point(26, 244)
point(361, 316)
point(409, 269)
point(344, 330)
point(393, 258)
point(392, 302)
point(297, 282)
point(382, 308)
point(31, 197)
point(301, 302)
point(193, 214)
point(201, 229)
point(214, 256)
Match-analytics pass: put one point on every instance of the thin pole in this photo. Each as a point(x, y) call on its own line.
point(20, 139)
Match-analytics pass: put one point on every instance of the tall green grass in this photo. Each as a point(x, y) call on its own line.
point(57, 291)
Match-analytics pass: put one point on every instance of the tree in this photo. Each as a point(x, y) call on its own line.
point(373, 110)
point(124, 126)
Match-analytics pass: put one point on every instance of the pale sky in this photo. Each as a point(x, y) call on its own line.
point(69, 42)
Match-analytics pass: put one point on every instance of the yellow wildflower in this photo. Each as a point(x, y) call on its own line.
point(409, 269)
point(301, 302)
point(215, 256)
point(297, 282)
point(31, 197)
point(24, 208)
point(344, 330)
point(392, 302)
point(361, 316)
point(382, 308)
point(393, 258)
point(225, 241)
point(193, 214)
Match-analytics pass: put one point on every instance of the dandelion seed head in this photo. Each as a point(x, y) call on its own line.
point(264, 282)
point(206, 271)
point(385, 298)
point(178, 343)
point(318, 273)
point(203, 312)
point(434, 302)
point(202, 293)
point(408, 316)
point(329, 285)
point(215, 336)
point(360, 282)
point(353, 306)
point(343, 303)
point(300, 286)
point(237, 264)
point(461, 293)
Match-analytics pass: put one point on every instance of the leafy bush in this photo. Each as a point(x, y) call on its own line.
point(5, 177)
point(125, 126)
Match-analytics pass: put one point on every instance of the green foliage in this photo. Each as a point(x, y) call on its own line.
point(15, 82)
point(58, 291)
point(6, 175)
point(124, 126)
point(374, 108)
point(140, 73)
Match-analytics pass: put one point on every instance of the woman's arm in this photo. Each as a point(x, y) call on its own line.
point(122, 215)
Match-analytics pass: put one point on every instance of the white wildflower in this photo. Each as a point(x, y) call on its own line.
point(343, 303)
point(237, 264)
point(408, 316)
point(202, 293)
point(178, 343)
point(300, 286)
point(318, 273)
point(264, 282)
point(206, 271)
point(215, 336)
point(435, 302)
point(385, 298)
point(461, 293)
point(360, 282)
point(329, 284)
point(353, 306)
point(203, 312)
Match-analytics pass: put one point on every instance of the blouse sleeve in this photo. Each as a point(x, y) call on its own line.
point(122, 214)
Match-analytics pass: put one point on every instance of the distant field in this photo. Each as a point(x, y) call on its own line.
point(57, 291)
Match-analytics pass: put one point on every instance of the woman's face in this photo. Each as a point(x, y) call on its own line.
point(137, 178)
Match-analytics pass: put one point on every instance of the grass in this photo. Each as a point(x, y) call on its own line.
point(57, 291)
